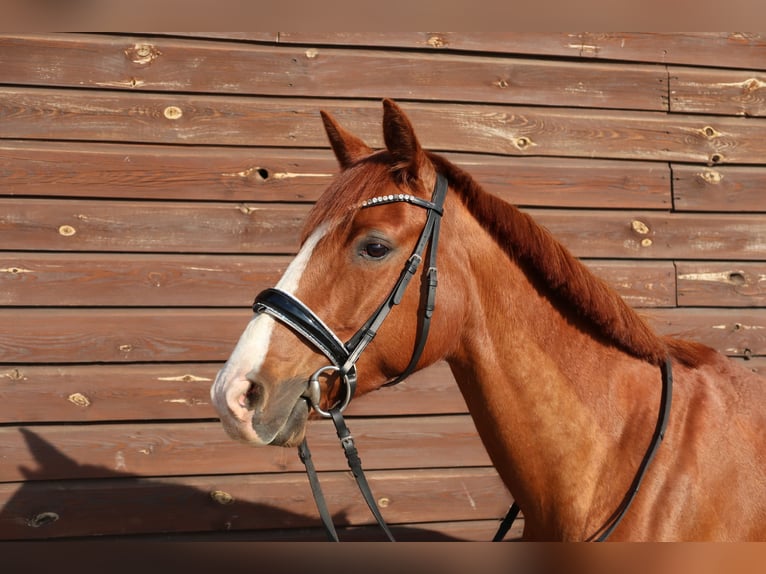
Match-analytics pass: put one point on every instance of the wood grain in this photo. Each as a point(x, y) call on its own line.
point(185, 504)
point(735, 50)
point(721, 284)
point(170, 449)
point(724, 92)
point(719, 189)
point(180, 391)
point(170, 64)
point(510, 130)
point(114, 226)
point(208, 335)
point(40, 168)
point(170, 280)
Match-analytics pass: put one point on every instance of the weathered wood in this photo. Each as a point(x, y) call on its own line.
point(734, 50)
point(465, 530)
point(714, 284)
point(727, 188)
point(725, 92)
point(32, 168)
point(45, 168)
point(656, 235)
point(210, 120)
point(170, 64)
point(208, 335)
point(75, 225)
point(141, 280)
point(640, 283)
point(189, 504)
point(180, 391)
point(118, 335)
point(734, 332)
point(755, 364)
point(165, 280)
point(114, 226)
point(170, 449)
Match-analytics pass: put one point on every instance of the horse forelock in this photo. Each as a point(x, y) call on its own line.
point(567, 281)
point(366, 178)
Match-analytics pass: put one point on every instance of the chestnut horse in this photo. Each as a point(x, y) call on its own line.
point(562, 378)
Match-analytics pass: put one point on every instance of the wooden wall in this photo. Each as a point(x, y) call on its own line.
point(151, 185)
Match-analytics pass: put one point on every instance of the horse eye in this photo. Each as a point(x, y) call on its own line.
point(376, 250)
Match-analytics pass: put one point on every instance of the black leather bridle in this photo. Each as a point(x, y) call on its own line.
point(289, 310)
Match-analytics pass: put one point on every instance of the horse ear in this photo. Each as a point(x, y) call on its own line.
point(400, 139)
point(347, 147)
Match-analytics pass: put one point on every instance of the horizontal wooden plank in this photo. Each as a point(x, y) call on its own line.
point(755, 364)
point(726, 188)
point(115, 226)
point(237, 120)
point(726, 49)
point(92, 393)
point(119, 335)
point(657, 235)
point(464, 530)
point(208, 335)
point(724, 284)
point(82, 225)
point(273, 501)
point(31, 168)
point(168, 280)
point(44, 168)
point(734, 332)
point(170, 64)
point(640, 283)
point(127, 280)
point(706, 91)
point(170, 449)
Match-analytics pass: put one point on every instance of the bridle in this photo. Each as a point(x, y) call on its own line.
point(289, 310)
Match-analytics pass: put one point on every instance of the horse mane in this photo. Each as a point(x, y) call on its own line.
point(564, 277)
point(553, 269)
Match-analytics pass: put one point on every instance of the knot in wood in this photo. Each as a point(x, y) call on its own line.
point(522, 142)
point(173, 112)
point(42, 519)
point(436, 41)
point(711, 176)
point(710, 132)
point(79, 399)
point(639, 227)
point(222, 497)
point(67, 230)
point(142, 54)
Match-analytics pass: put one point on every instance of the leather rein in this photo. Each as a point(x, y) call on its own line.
point(289, 310)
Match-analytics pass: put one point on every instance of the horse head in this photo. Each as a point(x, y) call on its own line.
point(319, 337)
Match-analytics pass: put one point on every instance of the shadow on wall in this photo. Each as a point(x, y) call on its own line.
point(124, 504)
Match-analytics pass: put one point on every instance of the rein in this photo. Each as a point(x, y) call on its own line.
point(289, 310)
point(659, 433)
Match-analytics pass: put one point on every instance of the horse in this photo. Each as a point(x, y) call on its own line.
point(565, 382)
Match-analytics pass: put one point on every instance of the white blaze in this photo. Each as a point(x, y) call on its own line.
point(253, 345)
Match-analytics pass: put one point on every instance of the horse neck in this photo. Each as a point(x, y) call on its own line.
point(554, 405)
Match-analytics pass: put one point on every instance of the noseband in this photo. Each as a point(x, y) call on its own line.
point(289, 310)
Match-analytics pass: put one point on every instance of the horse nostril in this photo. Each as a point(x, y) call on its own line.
point(252, 397)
